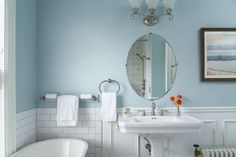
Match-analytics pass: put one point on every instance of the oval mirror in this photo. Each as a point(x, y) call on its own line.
point(151, 66)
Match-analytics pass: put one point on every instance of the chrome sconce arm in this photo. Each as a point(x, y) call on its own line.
point(135, 12)
point(152, 18)
point(169, 14)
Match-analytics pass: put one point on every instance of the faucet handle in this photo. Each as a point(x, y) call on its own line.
point(153, 105)
point(142, 112)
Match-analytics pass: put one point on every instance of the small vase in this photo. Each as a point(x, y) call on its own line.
point(178, 113)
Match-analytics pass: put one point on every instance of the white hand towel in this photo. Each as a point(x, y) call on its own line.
point(109, 107)
point(67, 110)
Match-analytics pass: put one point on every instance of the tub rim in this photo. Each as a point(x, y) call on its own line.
point(54, 139)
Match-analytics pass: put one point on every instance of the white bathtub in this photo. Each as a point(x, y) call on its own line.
point(54, 148)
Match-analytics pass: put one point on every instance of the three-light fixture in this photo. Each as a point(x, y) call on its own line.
point(152, 18)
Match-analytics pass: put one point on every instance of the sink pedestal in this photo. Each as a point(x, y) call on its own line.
point(159, 129)
point(160, 147)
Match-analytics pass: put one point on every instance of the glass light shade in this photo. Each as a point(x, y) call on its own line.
point(135, 4)
point(152, 4)
point(169, 4)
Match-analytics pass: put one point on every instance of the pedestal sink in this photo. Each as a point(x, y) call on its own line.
point(159, 129)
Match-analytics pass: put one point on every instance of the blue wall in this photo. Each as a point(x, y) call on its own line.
point(82, 42)
point(25, 54)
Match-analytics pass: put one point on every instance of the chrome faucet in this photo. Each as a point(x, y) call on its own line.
point(159, 112)
point(153, 113)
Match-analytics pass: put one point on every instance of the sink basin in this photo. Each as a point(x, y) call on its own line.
point(159, 129)
point(159, 124)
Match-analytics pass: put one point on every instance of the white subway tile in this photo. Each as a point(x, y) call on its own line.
point(98, 115)
point(24, 122)
point(69, 130)
point(92, 144)
point(89, 138)
point(82, 130)
point(43, 130)
point(27, 114)
point(43, 117)
point(32, 119)
point(40, 111)
point(98, 140)
point(89, 124)
point(98, 152)
point(18, 124)
point(65, 135)
point(53, 117)
point(49, 124)
point(83, 117)
point(39, 137)
point(49, 136)
point(19, 116)
point(87, 111)
point(20, 131)
point(50, 111)
point(80, 124)
point(56, 130)
point(91, 155)
point(78, 136)
point(92, 130)
point(40, 124)
point(32, 112)
point(98, 127)
point(92, 150)
point(92, 117)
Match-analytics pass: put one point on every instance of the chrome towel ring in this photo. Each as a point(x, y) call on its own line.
point(110, 81)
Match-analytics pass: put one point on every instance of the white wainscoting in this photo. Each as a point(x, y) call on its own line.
point(219, 129)
point(25, 128)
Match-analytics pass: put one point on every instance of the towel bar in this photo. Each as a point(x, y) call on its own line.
point(94, 98)
point(110, 81)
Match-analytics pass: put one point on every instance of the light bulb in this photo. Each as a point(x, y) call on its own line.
point(152, 4)
point(169, 4)
point(135, 4)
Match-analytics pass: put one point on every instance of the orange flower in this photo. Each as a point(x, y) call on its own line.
point(172, 98)
point(179, 96)
point(179, 102)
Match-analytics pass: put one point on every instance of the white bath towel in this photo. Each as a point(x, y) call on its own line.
point(67, 110)
point(109, 107)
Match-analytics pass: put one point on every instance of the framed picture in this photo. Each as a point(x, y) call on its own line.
point(218, 54)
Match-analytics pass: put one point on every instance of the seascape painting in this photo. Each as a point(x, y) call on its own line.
point(219, 55)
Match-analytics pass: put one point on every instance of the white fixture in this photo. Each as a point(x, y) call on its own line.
point(159, 129)
point(55, 148)
point(152, 17)
point(218, 151)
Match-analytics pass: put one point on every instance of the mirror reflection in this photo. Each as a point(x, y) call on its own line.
point(151, 66)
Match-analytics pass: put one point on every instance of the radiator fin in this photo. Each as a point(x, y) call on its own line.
point(219, 152)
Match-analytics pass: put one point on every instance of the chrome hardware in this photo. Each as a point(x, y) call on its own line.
point(110, 81)
point(127, 111)
point(161, 113)
point(143, 112)
point(197, 151)
point(148, 146)
point(153, 113)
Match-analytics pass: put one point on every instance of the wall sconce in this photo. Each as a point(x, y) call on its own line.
point(152, 17)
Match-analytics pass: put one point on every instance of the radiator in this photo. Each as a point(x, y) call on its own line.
point(219, 152)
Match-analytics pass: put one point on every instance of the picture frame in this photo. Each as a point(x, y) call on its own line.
point(218, 54)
